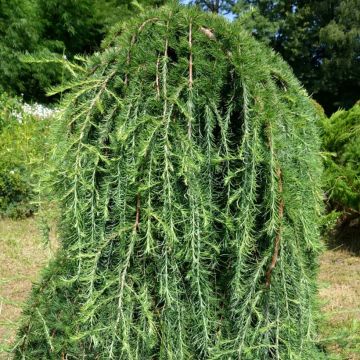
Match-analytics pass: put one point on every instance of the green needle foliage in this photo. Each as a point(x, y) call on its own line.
point(341, 133)
point(187, 173)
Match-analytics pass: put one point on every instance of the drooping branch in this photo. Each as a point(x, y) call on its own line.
point(157, 80)
point(137, 216)
point(189, 102)
point(128, 58)
point(132, 43)
point(190, 58)
point(275, 256)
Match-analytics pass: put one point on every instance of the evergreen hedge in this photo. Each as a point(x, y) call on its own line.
point(341, 134)
point(187, 173)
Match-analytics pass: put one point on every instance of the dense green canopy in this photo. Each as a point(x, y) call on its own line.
point(187, 174)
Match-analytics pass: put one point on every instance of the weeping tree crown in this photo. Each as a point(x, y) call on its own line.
point(187, 175)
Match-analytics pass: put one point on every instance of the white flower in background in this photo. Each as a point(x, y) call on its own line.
point(38, 110)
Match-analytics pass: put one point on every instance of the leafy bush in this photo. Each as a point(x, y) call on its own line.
point(9, 106)
point(341, 140)
point(187, 175)
point(23, 148)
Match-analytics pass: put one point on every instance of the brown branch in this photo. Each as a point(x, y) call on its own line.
point(278, 235)
point(190, 58)
point(208, 33)
point(133, 41)
point(137, 217)
point(157, 81)
point(141, 27)
point(165, 57)
point(190, 72)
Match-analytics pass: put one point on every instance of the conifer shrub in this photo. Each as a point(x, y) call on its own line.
point(187, 175)
point(341, 134)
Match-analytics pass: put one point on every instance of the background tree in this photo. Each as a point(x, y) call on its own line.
point(319, 39)
point(75, 25)
point(52, 29)
point(216, 6)
point(116, 11)
point(20, 29)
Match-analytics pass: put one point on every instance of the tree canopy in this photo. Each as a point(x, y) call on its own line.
point(53, 29)
point(216, 6)
point(319, 39)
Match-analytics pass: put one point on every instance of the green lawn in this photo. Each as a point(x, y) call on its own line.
point(22, 254)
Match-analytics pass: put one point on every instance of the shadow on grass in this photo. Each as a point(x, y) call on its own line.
point(345, 237)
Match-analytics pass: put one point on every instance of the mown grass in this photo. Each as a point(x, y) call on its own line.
point(340, 294)
point(23, 253)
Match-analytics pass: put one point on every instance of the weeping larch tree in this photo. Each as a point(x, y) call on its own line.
point(186, 171)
